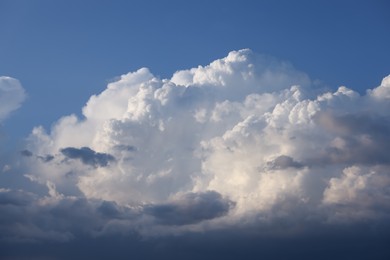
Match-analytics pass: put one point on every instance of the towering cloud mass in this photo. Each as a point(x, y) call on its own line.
point(12, 95)
point(246, 140)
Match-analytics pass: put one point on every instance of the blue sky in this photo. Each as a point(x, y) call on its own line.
point(194, 129)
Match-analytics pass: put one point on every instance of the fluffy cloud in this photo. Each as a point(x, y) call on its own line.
point(245, 139)
point(360, 192)
point(12, 95)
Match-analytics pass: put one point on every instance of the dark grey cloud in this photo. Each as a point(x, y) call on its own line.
point(356, 242)
point(45, 158)
point(191, 208)
point(88, 156)
point(365, 139)
point(74, 228)
point(26, 153)
point(15, 197)
point(27, 217)
point(349, 124)
point(282, 162)
point(109, 209)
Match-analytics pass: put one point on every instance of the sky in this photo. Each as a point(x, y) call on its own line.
point(196, 129)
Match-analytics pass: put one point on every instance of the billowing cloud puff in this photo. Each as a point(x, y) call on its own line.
point(246, 139)
point(12, 95)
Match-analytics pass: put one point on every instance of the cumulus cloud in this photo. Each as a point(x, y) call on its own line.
point(360, 192)
point(12, 95)
point(245, 140)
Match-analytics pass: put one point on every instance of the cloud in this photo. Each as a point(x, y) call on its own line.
point(191, 208)
point(360, 139)
point(12, 197)
point(27, 217)
point(360, 191)
point(26, 153)
point(246, 143)
point(72, 226)
point(165, 123)
point(87, 156)
point(46, 158)
point(55, 217)
point(283, 162)
point(12, 95)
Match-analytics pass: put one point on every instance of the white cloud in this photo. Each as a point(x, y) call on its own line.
point(383, 91)
point(360, 191)
point(12, 95)
point(246, 127)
